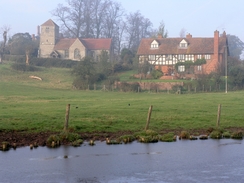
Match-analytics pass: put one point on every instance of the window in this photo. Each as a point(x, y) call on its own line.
point(47, 30)
point(181, 57)
point(207, 57)
point(154, 45)
point(151, 57)
point(181, 68)
point(199, 56)
point(158, 57)
point(66, 54)
point(77, 54)
point(183, 45)
point(199, 68)
point(168, 57)
point(189, 57)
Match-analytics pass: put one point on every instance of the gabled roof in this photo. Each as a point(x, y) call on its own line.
point(64, 44)
point(91, 44)
point(97, 44)
point(50, 22)
point(184, 41)
point(171, 46)
point(154, 40)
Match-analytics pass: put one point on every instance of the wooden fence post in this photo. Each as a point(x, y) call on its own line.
point(148, 117)
point(218, 115)
point(66, 124)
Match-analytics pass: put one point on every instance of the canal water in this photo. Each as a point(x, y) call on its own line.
point(184, 161)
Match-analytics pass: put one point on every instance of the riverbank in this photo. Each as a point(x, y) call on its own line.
point(22, 138)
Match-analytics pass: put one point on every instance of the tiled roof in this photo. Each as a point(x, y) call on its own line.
point(97, 44)
point(91, 44)
point(64, 44)
point(50, 22)
point(171, 46)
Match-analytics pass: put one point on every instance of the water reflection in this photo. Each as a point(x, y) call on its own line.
point(181, 161)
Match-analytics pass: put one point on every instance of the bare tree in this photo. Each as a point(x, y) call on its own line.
point(88, 18)
point(93, 18)
point(112, 19)
point(183, 32)
point(137, 28)
point(71, 18)
point(119, 36)
point(5, 30)
point(161, 30)
point(100, 11)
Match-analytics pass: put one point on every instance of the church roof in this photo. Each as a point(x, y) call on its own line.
point(97, 44)
point(49, 22)
point(91, 44)
point(64, 44)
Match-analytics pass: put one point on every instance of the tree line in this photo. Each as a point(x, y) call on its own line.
point(105, 19)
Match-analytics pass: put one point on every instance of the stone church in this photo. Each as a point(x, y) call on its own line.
point(52, 45)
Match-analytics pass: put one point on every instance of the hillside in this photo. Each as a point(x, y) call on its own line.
point(59, 78)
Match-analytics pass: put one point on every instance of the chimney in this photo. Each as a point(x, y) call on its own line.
point(216, 44)
point(160, 36)
point(224, 34)
point(38, 31)
point(33, 37)
point(188, 36)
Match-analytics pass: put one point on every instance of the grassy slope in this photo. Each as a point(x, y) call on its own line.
point(28, 104)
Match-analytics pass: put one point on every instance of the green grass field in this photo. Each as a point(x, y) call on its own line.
point(34, 106)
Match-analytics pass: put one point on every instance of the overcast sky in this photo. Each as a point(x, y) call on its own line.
point(198, 17)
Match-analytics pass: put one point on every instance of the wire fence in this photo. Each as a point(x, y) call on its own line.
point(176, 89)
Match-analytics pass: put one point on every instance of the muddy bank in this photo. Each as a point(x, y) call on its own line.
point(23, 138)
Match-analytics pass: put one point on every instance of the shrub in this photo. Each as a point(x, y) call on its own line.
point(111, 80)
point(184, 135)
point(129, 87)
point(24, 67)
point(226, 135)
point(77, 143)
point(80, 84)
point(53, 62)
point(15, 58)
point(127, 138)
point(156, 74)
point(53, 141)
point(71, 137)
point(216, 134)
point(237, 135)
point(147, 136)
point(177, 88)
point(169, 137)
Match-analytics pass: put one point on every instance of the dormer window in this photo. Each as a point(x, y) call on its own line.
point(154, 44)
point(183, 44)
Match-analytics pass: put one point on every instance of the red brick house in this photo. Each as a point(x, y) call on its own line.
point(164, 53)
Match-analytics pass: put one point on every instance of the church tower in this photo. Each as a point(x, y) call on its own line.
point(49, 35)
